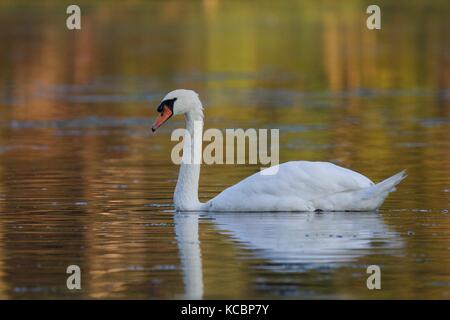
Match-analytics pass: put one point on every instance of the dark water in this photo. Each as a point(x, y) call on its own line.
point(82, 181)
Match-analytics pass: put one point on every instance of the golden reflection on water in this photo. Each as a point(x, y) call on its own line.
point(82, 182)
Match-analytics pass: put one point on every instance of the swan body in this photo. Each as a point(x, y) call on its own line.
point(304, 186)
point(296, 185)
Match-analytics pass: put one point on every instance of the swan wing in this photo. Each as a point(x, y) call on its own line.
point(294, 185)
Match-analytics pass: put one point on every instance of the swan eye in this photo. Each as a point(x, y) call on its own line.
point(168, 102)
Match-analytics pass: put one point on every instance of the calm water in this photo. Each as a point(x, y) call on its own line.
point(83, 182)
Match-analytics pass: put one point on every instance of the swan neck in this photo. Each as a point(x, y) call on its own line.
point(186, 190)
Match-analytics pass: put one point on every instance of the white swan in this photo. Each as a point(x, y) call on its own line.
point(297, 186)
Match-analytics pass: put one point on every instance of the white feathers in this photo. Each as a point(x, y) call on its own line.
point(297, 186)
point(305, 186)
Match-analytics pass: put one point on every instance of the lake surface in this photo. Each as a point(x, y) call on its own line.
point(82, 182)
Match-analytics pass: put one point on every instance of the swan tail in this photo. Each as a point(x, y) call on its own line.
point(383, 188)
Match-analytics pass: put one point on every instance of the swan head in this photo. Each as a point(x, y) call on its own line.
point(180, 101)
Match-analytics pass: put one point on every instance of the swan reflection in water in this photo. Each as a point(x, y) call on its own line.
point(297, 241)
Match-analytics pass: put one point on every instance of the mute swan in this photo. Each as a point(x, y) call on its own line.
point(297, 185)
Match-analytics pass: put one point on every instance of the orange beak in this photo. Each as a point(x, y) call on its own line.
point(163, 117)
